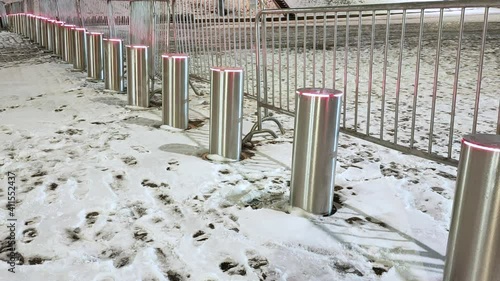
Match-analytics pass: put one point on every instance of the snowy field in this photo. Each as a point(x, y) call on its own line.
point(104, 193)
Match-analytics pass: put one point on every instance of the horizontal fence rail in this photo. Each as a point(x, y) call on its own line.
point(416, 77)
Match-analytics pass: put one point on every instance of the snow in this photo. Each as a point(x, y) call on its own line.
point(105, 192)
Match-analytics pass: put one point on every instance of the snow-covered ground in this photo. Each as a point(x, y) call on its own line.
point(105, 193)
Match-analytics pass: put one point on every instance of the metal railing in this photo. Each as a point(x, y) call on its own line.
point(416, 76)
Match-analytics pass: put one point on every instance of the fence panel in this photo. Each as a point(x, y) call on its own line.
point(416, 76)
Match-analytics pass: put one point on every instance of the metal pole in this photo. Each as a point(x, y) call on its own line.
point(95, 55)
point(38, 30)
point(317, 124)
point(58, 38)
point(113, 64)
point(51, 35)
point(175, 89)
point(43, 32)
point(226, 111)
point(137, 75)
point(69, 43)
point(33, 28)
point(80, 48)
point(474, 239)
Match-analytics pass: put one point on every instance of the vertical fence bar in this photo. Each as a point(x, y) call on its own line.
point(317, 124)
point(436, 77)
point(417, 79)
point(455, 84)
point(358, 57)
point(398, 81)
point(226, 112)
point(370, 76)
point(384, 73)
point(480, 69)
point(69, 43)
point(346, 61)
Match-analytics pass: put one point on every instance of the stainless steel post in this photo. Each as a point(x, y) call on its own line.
point(68, 43)
point(113, 65)
point(137, 75)
point(33, 28)
point(226, 112)
point(80, 48)
point(474, 241)
point(95, 55)
point(51, 35)
point(58, 38)
point(38, 29)
point(175, 89)
point(316, 131)
point(43, 32)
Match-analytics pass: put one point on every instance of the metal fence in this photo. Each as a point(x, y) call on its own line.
point(416, 76)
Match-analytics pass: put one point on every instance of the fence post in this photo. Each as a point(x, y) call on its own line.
point(137, 76)
point(226, 112)
point(80, 48)
point(474, 239)
point(317, 124)
point(43, 32)
point(113, 64)
point(95, 55)
point(175, 89)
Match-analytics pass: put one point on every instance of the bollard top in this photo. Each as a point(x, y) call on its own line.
point(137, 46)
point(226, 69)
point(176, 56)
point(319, 92)
point(483, 141)
point(113, 39)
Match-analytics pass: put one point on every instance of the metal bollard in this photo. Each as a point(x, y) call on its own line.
point(317, 124)
point(137, 76)
point(113, 64)
point(474, 239)
point(95, 55)
point(51, 35)
point(68, 43)
point(80, 48)
point(226, 112)
point(33, 21)
point(38, 29)
point(58, 38)
point(43, 32)
point(175, 89)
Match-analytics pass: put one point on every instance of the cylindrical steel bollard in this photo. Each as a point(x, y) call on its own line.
point(175, 89)
point(51, 35)
point(68, 43)
point(58, 38)
point(316, 131)
point(474, 241)
point(95, 55)
point(80, 48)
point(226, 112)
point(137, 76)
point(113, 64)
point(33, 21)
point(38, 29)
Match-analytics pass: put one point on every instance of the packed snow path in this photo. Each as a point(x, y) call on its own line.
point(105, 193)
